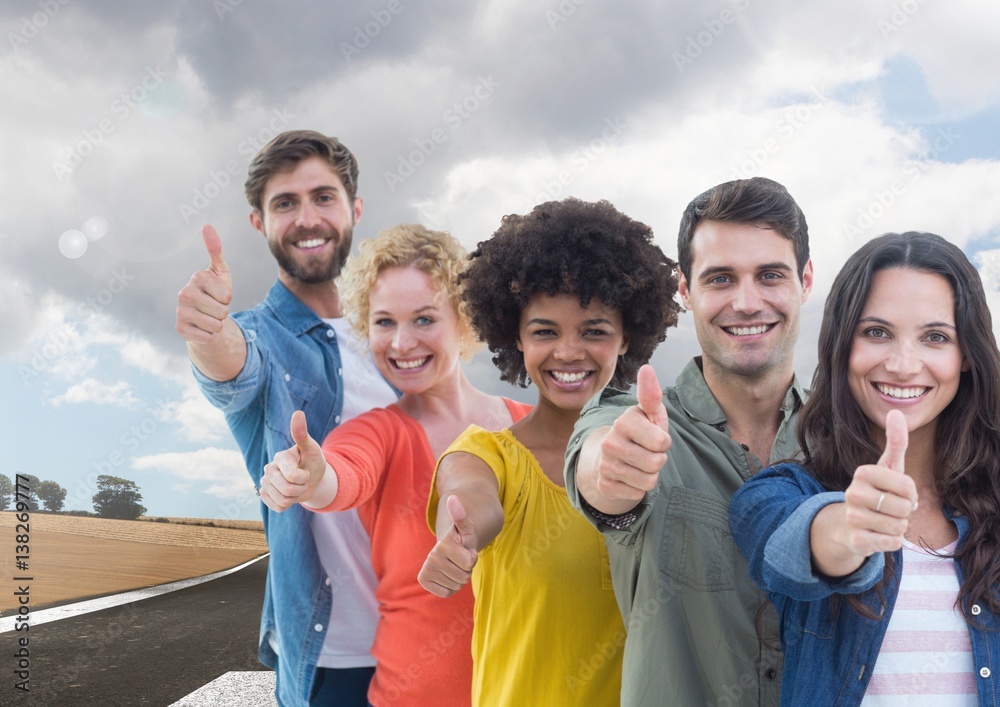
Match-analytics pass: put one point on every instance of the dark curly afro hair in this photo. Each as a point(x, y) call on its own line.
point(576, 247)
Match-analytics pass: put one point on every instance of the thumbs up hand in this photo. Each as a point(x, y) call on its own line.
point(881, 497)
point(203, 304)
point(293, 475)
point(449, 564)
point(635, 447)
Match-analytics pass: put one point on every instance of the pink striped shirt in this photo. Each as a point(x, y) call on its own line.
point(926, 656)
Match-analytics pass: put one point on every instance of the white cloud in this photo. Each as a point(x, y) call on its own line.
point(222, 470)
point(94, 391)
point(142, 354)
point(199, 420)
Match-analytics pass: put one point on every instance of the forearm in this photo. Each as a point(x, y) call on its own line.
point(831, 555)
point(223, 356)
point(588, 476)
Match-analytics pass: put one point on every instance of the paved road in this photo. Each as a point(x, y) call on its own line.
point(151, 652)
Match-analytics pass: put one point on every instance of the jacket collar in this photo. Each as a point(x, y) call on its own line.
point(700, 404)
point(288, 309)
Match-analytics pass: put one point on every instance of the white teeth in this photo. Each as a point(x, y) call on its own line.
point(312, 243)
point(406, 365)
point(747, 330)
point(902, 393)
point(569, 377)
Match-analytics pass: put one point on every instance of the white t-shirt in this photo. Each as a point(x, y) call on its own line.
point(344, 546)
point(926, 655)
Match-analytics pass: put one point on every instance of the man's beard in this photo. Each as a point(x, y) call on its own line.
point(314, 270)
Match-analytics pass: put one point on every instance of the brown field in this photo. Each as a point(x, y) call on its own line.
point(74, 558)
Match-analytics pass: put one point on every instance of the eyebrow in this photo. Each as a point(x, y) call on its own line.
point(427, 308)
point(550, 322)
point(928, 325)
point(291, 195)
point(722, 269)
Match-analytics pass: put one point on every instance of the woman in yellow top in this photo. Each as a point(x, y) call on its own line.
point(571, 297)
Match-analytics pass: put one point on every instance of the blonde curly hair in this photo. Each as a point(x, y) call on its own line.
point(436, 253)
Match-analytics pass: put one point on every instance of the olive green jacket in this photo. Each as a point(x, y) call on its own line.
point(691, 610)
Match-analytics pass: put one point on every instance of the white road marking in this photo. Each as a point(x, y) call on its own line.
point(251, 688)
point(57, 613)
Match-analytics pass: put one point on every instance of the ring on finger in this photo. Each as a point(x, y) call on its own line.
point(878, 506)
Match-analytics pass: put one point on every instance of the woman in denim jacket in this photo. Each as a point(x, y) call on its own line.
point(881, 551)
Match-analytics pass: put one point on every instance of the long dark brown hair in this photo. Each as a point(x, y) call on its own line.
point(835, 434)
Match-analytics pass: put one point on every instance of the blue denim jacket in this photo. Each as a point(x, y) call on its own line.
point(829, 661)
point(291, 365)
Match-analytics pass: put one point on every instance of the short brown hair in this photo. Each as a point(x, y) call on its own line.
point(757, 201)
point(287, 150)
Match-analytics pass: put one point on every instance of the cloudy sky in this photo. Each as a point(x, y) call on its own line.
point(129, 125)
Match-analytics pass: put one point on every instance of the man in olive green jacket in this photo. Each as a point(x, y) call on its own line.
point(695, 619)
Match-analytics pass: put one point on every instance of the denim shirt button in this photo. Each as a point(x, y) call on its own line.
point(771, 673)
point(327, 582)
point(337, 419)
point(329, 333)
point(976, 610)
point(287, 377)
point(984, 672)
point(318, 628)
point(340, 371)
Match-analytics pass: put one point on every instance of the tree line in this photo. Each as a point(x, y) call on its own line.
point(115, 498)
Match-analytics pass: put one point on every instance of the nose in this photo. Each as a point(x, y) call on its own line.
point(569, 348)
point(903, 360)
point(747, 298)
point(308, 215)
point(402, 339)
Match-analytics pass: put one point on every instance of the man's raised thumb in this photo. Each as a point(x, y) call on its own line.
point(213, 244)
point(650, 396)
point(300, 434)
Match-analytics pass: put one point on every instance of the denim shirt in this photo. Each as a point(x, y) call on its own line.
point(293, 363)
point(830, 661)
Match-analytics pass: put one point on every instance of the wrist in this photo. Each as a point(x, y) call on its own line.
point(325, 492)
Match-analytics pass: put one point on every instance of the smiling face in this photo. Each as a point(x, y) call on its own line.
point(905, 354)
point(308, 221)
point(746, 297)
point(413, 330)
point(570, 352)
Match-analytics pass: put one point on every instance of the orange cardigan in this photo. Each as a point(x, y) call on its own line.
point(423, 644)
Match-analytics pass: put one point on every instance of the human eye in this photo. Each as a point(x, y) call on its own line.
point(424, 320)
point(383, 322)
point(325, 198)
point(772, 276)
point(596, 333)
point(283, 205)
point(876, 332)
point(937, 337)
point(719, 280)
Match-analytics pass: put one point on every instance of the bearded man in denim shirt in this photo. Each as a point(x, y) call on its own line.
point(294, 352)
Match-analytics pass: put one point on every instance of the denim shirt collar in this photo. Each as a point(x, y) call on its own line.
point(699, 403)
point(288, 309)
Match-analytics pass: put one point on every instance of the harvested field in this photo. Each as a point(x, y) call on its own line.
point(74, 558)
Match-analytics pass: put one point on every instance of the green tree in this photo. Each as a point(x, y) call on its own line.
point(51, 494)
point(117, 498)
point(29, 490)
point(6, 491)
